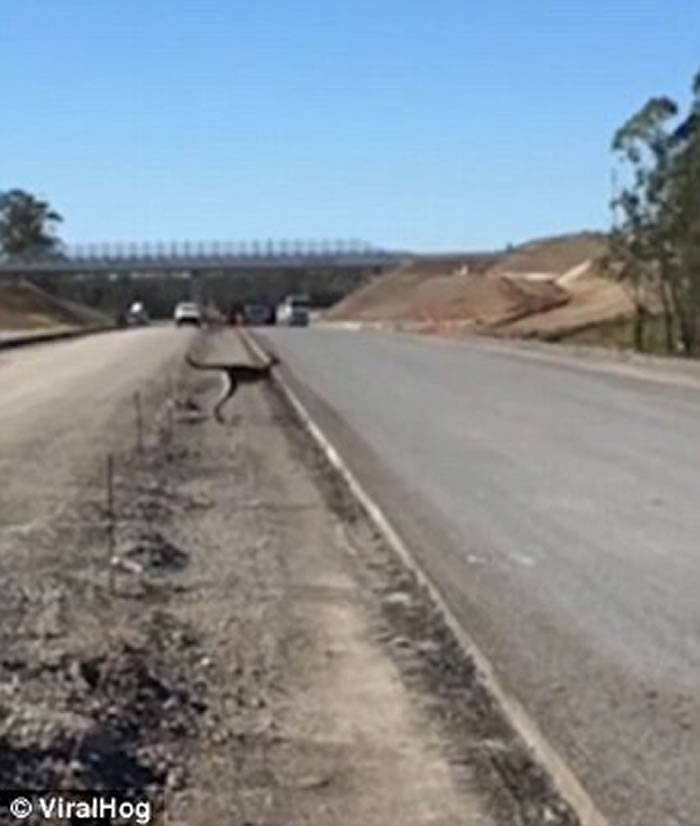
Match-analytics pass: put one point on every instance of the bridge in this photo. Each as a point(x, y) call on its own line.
point(195, 258)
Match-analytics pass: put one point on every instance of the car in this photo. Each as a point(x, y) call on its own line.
point(294, 311)
point(188, 312)
point(258, 315)
point(136, 315)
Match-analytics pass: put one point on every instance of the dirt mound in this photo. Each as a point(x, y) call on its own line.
point(448, 291)
point(594, 300)
point(485, 300)
point(23, 306)
point(553, 255)
point(476, 287)
point(391, 296)
point(548, 288)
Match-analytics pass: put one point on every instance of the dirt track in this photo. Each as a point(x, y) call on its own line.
point(253, 654)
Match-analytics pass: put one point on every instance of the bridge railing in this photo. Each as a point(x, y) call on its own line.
point(193, 256)
point(188, 250)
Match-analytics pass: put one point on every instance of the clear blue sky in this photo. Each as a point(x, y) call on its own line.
point(433, 125)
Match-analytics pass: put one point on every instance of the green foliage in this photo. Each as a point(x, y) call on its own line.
point(620, 335)
point(656, 232)
point(27, 224)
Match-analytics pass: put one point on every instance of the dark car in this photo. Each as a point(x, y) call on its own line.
point(258, 314)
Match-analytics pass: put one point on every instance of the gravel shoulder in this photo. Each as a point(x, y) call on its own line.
point(231, 638)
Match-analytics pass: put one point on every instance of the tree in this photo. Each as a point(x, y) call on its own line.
point(27, 224)
point(656, 233)
point(638, 238)
point(684, 224)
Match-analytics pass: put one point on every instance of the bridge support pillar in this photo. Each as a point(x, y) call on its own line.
point(196, 286)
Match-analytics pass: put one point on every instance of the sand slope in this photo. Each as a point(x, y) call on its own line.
point(547, 288)
point(24, 306)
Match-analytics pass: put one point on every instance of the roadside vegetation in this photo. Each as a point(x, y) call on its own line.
point(27, 225)
point(655, 240)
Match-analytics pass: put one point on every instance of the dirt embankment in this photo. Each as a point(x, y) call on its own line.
point(594, 299)
point(553, 256)
point(549, 288)
point(23, 306)
point(393, 296)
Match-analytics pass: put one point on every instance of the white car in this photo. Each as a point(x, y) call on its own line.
point(188, 312)
point(136, 315)
point(294, 311)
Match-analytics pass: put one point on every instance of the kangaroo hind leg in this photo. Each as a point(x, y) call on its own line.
point(229, 390)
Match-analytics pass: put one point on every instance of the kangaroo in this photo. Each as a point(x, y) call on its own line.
point(233, 375)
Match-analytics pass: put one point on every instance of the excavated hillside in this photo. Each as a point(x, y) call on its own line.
point(23, 306)
point(594, 299)
point(547, 288)
point(393, 296)
point(554, 255)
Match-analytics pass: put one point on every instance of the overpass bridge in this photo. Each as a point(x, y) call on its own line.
point(199, 258)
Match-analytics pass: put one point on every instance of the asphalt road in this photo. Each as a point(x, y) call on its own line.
point(557, 509)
